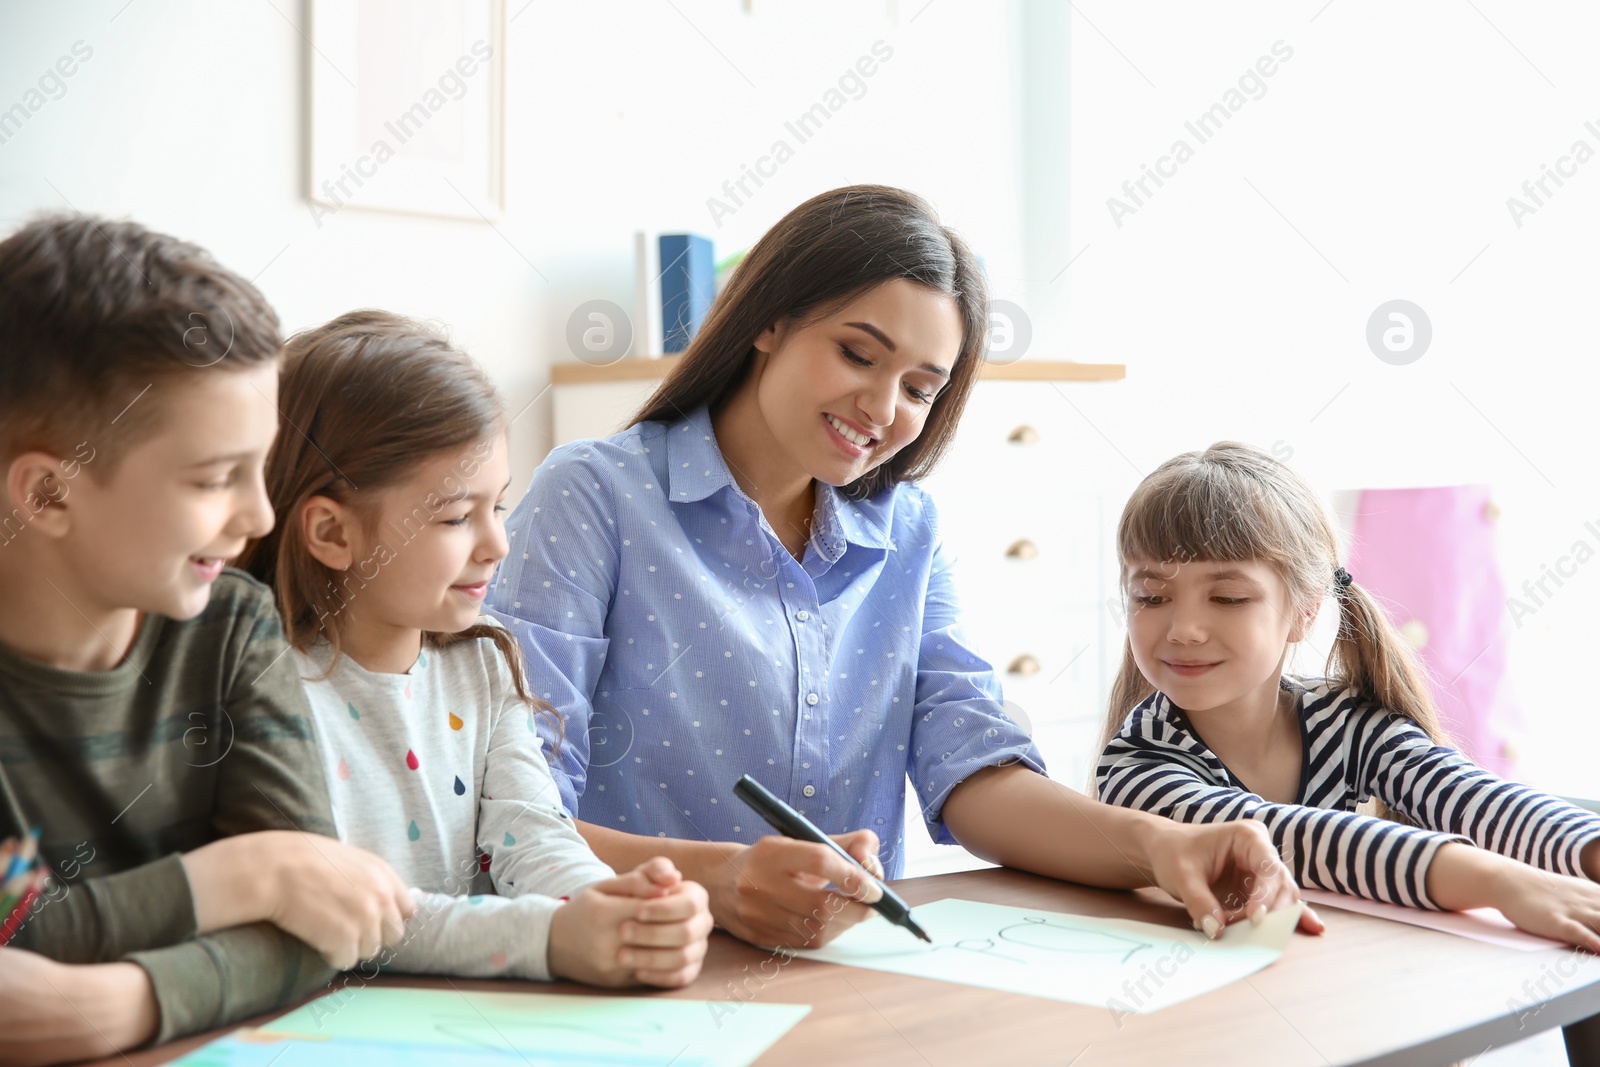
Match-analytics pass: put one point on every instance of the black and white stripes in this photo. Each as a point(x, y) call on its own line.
point(1353, 750)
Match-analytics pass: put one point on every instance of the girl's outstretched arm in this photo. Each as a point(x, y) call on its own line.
point(1150, 766)
point(1017, 817)
point(1441, 789)
point(1550, 905)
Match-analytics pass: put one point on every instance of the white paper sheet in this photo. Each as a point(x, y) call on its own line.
point(1126, 966)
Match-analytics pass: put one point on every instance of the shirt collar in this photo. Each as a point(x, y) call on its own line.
point(840, 520)
point(695, 467)
point(696, 470)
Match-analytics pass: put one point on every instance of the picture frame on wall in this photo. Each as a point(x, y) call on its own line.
point(406, 107)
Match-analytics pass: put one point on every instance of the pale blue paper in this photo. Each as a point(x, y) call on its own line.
point(1131, 967)
point(372, 1026)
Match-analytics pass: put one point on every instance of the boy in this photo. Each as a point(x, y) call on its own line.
point(150, 723)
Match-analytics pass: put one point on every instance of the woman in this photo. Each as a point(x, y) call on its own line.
point(747, 580)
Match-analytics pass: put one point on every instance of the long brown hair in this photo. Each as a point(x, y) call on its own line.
point(818, 258)
point(366, 399)
point(1231, 503)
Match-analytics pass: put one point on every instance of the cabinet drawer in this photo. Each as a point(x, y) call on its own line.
point(1069, 682)
point(1033, 556)
point(1026, 436)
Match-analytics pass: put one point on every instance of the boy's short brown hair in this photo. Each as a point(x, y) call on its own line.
point(94, 313)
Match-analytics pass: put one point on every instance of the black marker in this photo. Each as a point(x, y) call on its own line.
point(784, 819)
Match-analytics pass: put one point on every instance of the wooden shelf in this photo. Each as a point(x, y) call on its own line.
point(1023, 370)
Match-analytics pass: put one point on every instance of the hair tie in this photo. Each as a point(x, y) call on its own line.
point(1342, 576)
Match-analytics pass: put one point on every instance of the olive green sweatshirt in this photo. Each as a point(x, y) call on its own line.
point(201, 732)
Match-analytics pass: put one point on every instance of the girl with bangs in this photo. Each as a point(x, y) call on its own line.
point(1227, 557)
point(389, 483)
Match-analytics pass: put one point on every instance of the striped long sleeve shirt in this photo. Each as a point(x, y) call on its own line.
point(1352, 750)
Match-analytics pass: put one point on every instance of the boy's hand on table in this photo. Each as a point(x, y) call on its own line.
point(343, 901)
point(54, 1012)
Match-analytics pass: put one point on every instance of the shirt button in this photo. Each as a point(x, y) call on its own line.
point(811, 698)
point(802, 615)
point(810, 790)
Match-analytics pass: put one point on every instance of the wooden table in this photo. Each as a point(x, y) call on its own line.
point(1367, 992)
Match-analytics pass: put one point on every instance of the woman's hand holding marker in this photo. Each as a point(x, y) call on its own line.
point(775, 892)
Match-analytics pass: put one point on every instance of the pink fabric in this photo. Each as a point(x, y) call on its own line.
point(1429, 555)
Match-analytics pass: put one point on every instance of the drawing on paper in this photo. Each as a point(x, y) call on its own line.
point(1082, 959)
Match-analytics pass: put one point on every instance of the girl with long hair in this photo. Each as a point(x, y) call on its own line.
point(389, 480)
point(1227, 557)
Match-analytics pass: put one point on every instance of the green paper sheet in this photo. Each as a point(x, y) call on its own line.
point(1129, 967)
point(448, 1028)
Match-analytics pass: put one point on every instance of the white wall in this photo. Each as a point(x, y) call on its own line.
point(620, 115)
point(1390, 141)
point(1376, 166)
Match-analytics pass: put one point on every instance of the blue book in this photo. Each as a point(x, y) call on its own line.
point(688, 283)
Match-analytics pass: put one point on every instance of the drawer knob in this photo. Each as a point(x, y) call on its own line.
point(1024, 435)
point(1022, 548)
point(1024, 664)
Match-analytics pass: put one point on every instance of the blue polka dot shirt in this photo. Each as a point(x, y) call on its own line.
point(684, 646)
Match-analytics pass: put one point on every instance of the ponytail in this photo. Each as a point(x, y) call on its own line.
point(1370, 657)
